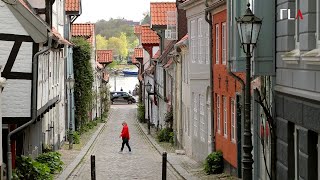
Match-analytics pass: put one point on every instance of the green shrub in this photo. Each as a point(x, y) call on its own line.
point(165, 135)
point(214, 163)
point(169, 118)
point(52, 160)
point(141, 112)
point(171, 135)
point(27, 168)
point(47, 148)
point(76, 137)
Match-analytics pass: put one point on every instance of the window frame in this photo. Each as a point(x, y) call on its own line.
point(224, 43)
point(193, 41)
point(233, 120)
point(200, 40)
point(217, 42)
point(218, 114)
point(195, 115)
point(225, 117)
point(202, 118)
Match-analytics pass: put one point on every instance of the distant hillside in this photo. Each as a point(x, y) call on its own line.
point(114, 27)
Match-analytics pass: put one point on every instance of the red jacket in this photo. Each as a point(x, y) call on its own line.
point(125, 132)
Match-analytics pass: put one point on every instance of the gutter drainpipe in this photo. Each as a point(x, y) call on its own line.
point(34, 103)
point(210, 21)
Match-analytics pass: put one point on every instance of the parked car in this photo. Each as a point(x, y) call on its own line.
point(120, 96)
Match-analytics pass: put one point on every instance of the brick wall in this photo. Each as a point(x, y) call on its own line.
point(224, 85)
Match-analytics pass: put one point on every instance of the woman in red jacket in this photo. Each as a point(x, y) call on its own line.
point(125, 136)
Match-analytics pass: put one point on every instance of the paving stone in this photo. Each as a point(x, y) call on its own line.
point(143, 163)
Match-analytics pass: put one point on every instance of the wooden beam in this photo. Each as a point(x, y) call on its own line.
point(14, 37)
point(19, 75)
point(11, 59)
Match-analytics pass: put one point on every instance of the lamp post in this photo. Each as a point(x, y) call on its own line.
point(101, 97)
point(249, 28)
point(148, 87)
point(70, 84)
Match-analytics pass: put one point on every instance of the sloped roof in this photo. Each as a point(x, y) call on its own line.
point(158, 11)
point(73, 5)
point(183, 41)
point(148, 36)
point(85, 30)
point(137, 29)
point(60, 39)
point(36, 27)
point(133, 59)
point(138, 52)
point(104, 56)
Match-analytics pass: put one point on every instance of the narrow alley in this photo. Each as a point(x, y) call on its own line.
point(143, 163)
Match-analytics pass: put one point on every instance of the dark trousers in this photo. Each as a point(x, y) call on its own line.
point(125, 141)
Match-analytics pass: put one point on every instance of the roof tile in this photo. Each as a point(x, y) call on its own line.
point(148, 36)
point(72, 5)
point(104, 56)
point(138, 52)
point(137, 29)
point(158, 11)
point(85, 30)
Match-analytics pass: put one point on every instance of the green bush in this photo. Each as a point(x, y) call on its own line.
point(52, 160)
point(165, 135)
point(214, 163)
point(76, 137)
point(171, 135)
point(141, 112)
point(27, 168)
point(169, 118)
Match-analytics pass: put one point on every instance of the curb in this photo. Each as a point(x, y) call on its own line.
point(72, 166)
point(180, 170)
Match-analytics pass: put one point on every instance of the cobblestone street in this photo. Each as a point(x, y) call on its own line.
point(143, 163)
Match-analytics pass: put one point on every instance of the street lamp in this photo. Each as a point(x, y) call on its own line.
point(249, 28)
point(70, 84)
point(148, 87)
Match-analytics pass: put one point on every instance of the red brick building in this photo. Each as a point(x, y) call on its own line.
point(225, 88)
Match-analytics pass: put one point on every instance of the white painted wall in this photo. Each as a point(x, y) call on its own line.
point(9, 24)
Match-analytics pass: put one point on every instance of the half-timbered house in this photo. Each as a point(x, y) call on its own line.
point(32, 57)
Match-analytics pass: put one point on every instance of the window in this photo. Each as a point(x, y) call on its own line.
point(217, 43)
point(218, 114)
point(188, 119)
point(200, 40)
point(225, 123)
point(193, 41)
point(207, 58)
point(233, 121)
point(202, 119)
point(195, 115)
point(224, 43)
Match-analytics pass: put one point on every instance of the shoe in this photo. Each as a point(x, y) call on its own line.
point(120, 152)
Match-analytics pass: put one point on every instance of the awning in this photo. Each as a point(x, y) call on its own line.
point(61, 40)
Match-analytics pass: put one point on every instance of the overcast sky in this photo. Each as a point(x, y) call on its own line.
point(94, 10)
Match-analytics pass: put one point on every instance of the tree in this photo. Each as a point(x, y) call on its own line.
point(101, 42)
point(119, 45)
